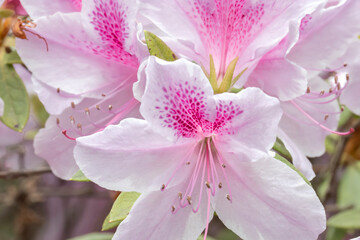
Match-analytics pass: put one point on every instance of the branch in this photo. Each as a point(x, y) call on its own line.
point(19, 174)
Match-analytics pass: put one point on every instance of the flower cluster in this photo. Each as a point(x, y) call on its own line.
point(183, 101)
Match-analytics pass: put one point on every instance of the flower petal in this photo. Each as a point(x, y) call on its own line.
point(39, 8)
point(350, 95)
point(226, 29)
point(308, 136)
point(177, 97)
point(159, 222)
point(268, 191)
point(300, 161)
point(287, 80)
point(73, 54)
point(82, 119)
point(122, 159)
point(314, 49)
point(257, 125)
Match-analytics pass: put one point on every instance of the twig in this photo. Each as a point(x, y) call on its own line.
point(26, 173)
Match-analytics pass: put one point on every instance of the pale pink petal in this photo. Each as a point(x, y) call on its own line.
point(287, 80)
point(39, 8)
point(142, 159)
point(300, 161)
point(177, 98)
point(314, 49)
point(357, 238)
point(71, 56)
point(269, 201)
point(159, 222)
point(57, 150)
point(82, 120)
point(111, 23)
point(54, 103)
point(309, 136)
point(256, 123)
point(226, 29)
point(350, 95)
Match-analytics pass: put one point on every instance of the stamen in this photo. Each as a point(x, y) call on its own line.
point(220, 185)
point(180, 195)
point(207, 184)
point(228, 197)
point(98, 107)
point(308, 90)
point(163, 187)
point(67, 136)
point(319, 124)
point(58, 90)
point(173, 208)
point(188, 198)
point(72, 105)
point(110, 107)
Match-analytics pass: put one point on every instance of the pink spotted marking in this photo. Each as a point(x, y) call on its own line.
point(226, 27)
point(109, 20)
point(183, 108)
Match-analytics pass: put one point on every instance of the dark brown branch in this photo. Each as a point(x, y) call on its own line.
point(26, 173)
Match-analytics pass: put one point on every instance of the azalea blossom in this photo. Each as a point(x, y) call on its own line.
point(195, 153)
point(313, 115)
point(85, 77)
point(233, 30)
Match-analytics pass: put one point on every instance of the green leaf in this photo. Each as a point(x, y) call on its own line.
point(158, 48)
point(335, 234)
point(5, 13)
point(79, 177)
point(12, 58)
point(227, 80)
point(107, 224)
point(15, 97)
point(39, 111)
point(278, 157)
point(212, 76)
point(94, 236)
point(280, 148)
point(123, 205)
point(349, 219)
point(349, 187)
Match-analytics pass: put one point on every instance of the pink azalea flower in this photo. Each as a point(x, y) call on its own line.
point(85, 78)
point(314, 114)
point(227, 30)
point(196, 153)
